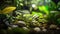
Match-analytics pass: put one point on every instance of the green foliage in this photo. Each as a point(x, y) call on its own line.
point(20, 31)
point(44, 15)
point(52, 6)
point(58, 20)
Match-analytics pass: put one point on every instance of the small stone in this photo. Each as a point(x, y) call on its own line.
point(44, 30)
point(25, 28)
point(37, 29)
point(21, 23)
point(53, 26)
point(57, 28)
point(14, 26)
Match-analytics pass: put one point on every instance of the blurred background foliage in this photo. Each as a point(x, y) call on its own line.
point(17, 15)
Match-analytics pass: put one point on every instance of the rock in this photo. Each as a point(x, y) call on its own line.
point(57, 28)
point(35, 23)
point(37, 29)
point(23, 11)
point(14, 26)
point(52, 26)
point(21, 23)
point(44, 30)
point(45, 25)
point(25, 28)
